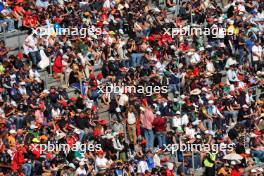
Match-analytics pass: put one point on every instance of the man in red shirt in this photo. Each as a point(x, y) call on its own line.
point(160, 124)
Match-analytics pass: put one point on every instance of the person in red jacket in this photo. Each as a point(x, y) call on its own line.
point(160, 124)
point(235, 169)
point(57, 69)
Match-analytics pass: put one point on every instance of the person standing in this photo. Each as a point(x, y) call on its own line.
point(31, 47)
point(159, 124)
point(147, 118)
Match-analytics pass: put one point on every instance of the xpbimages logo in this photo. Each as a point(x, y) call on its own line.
point(214, 148)
point(73, 31)
point(198, 31)
point(51, 147)
point(147, 90)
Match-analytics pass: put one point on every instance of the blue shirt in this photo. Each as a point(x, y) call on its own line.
point(150, 162)
point(249, 44)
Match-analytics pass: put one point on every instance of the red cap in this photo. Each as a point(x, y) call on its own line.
point(221, 84)
point(91, 76)
point(99, 76)
point(20, 55)
point(240, 90)
point(93, 108)
point(73, 99)
point(82, 96)
point(42, 106)
point(100, 152)
point(143, 142)
point(96, 132)
point(103, 122)
point(144, 102)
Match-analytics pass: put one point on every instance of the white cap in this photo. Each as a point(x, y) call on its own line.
point(71, 165)
point(233, 163)
point(211, 102)
point(245, 106)
point(81, 163)
point(12, 131)
point(158, 112)
point(253, 170)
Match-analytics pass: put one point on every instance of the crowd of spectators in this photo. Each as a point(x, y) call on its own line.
point(203, 89)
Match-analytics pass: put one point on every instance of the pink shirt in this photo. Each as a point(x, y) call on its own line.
point(39, 116)
point(147, 119)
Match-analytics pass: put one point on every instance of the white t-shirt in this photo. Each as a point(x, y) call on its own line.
point(257, 50)
point(123, 100)
point(80, 171)
point(142, 167)
point(131, 119)
point(31, 43)
point(100, 162)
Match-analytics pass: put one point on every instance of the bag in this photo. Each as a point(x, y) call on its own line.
point(44, 63)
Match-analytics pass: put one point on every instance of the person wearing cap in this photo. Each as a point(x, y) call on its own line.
point(81, 169)
point(142, 166)
point(244, 115)
point(209, 163)
point(131, 124)
point(57, 68)
point(31, 45)
point(12, 138)
point(213, 115)
point(235, 171)
point(257, 55)
point(224, 170)
point(101, 163)
point(147, 118)
point(160, 124)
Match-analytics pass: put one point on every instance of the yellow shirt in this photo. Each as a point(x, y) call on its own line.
point(11, 141)
point(223, 171)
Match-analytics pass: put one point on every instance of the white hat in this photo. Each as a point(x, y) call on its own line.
point(71, 165)
point(195, 92)
point(81, 163)
point(158, 112)
point(178, 113)
point(253, 170)
point(229, 96)
point(69, 43)
point(65, 56)
point(183, 96)
point(60, 135)
point(220, 20)
point(233, 163)
point(189, 53)
point(46, 91)
point(22, 83)
point(198, 136)
point(12, 131)
point(222, 45)
point(142, 109)
point(208, 46)
point(201, 49)
point(77, 131)
point(111, 59)
point(170, 165)
point(33, 126)
point(245, 106)
point(211, 102)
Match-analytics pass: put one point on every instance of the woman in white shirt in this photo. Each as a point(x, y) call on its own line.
point(81, 170)
point(131, 124)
